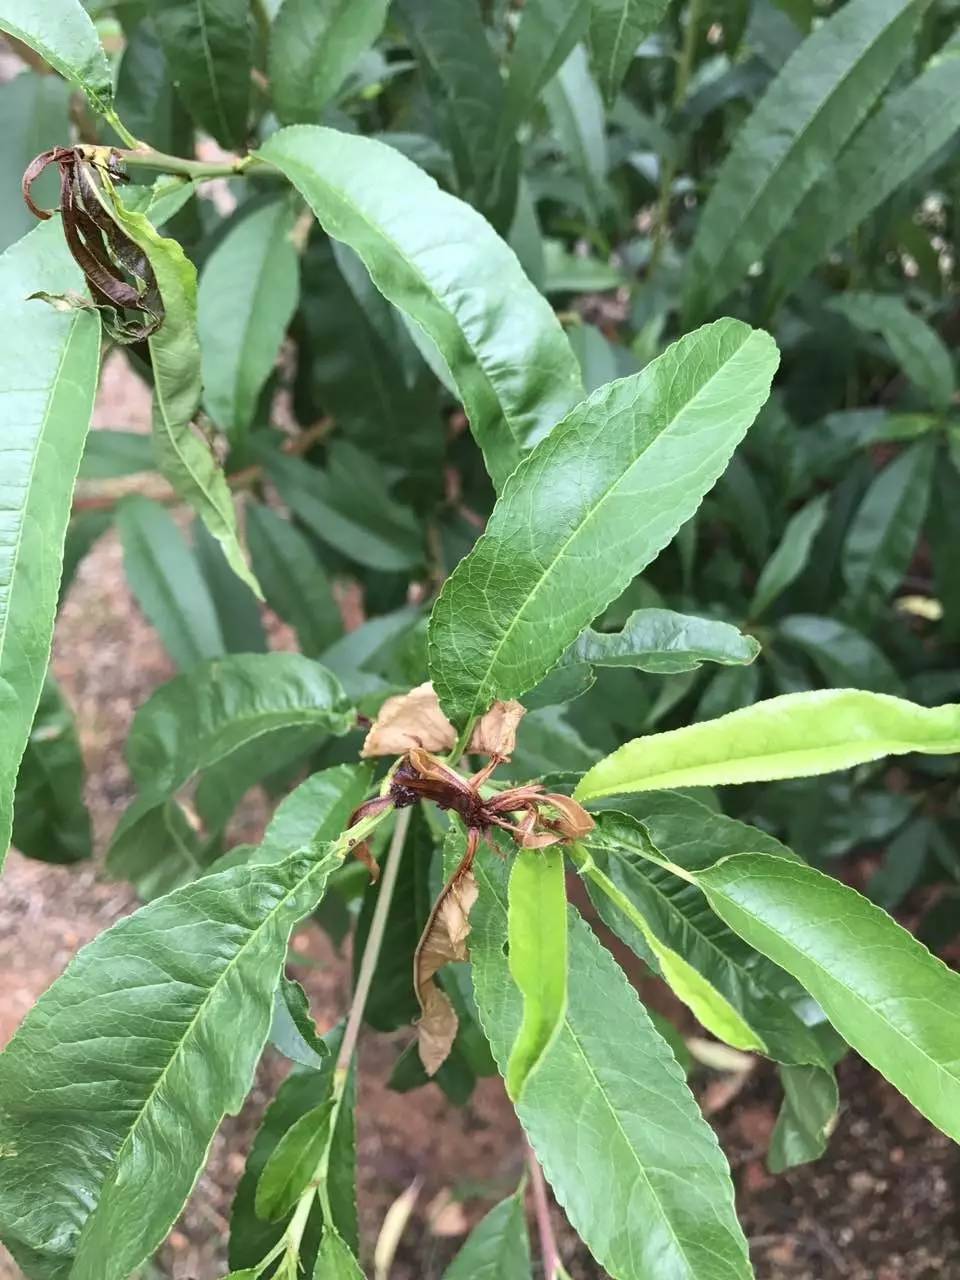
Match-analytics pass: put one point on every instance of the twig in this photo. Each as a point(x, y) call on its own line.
point(549, 1253)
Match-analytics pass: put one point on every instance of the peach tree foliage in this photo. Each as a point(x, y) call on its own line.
point(590, 597)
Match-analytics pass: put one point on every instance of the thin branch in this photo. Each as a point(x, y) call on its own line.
point(550, 1255)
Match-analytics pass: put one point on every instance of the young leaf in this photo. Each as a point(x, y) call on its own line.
point(208, 45)
point(291, 1164)
point(62, 33)
point(294, 581)
point(498, 1247)
point(335, 1261)
point(884, 992)
point(790, 141)
point(186, 984)
point(166, 582)
point(916, 347)
point(438, 261)
point(48, 377)
point(247, 296)
point(617, 28)
point(314, 45)
point(546, 35)
point(904, 133)
point(796, 735)
point(200, 718)
point(565, 538)
point(791, 555)
point(537, 933)
point(182, 457)
point(598, 1111)
point(50, 819)
point(34, 109)
point(663, 642)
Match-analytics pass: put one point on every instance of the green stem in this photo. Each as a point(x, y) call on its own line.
point(669, 166)
point(197, 170)
point(120, 129)
point(466, 734)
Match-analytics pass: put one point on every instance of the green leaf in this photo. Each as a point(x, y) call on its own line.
point(794, 736)
point(806, 1119)
point(182, 457)
point(147, 100)
point(537, 933)
point(292, 1030)
point(48, 377)
point(663, 642)
point(792, 138)
point(50, 819)
point(208, 45)
point(247, 297)
point(62, 33)
point(294, 582)
point(98, 1158)
point(238, 610)
point(335, 1261)
point(498, 1247)
point(916, 347)
point(200, 718)
point(622, 1142)
point(589, 509)
point(883, 991)
point(437, 260)
point(162, 200)
point(546, 35)
point(617, 28)
point(845, 657)
point(166, 582)
point(884, 531)
point(314, 45)
point(904, 134)
point(943, 531)
point(109, 454)
point(34, 109)
point(791, 555)
point(576, 115)
point(292, 1163)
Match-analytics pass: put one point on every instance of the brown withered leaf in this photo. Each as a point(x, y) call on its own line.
point(444, 940)
point(414, 719)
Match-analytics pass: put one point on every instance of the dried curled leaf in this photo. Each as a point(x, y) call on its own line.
point(414, 719)
point(444, 940)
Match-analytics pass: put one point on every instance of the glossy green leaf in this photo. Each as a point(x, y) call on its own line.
point(99, 1160)
point(208, 45)
point(247, 296)
point(335, 1261)
point(576, 115)
point(885, 993)
point(916, 347)
point(631, 1160)
point(34, 109)
point(498, 1247)
point(663, 642)
point(166, 582)
point(791, 555)
point(794, 736)
point(437, 260)
point(291, 1164)
point(185, 460)
point(314, 45)
point(883, 534)
point(62, 33)
point(50, 819)
point(792, 138)
point(294, 581)
point(617, 28)
point(908, 128)
point(546, 35)
point(589, 509)
point(537, 935)
point(200, 718)
point(48, 376)
point(845, 657)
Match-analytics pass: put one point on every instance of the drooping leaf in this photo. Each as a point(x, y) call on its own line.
point(796, 735)
point(537, 934)
point(314, 45)
point(663, 642)
point(916, 347)
point(546, 35)
point(443, 941)
point(906, 130)
point(48, 376)
point(294, 581)
point(436, 259)
point(166, 582)
point(617, 28)
point(589, 509)
point(884, 992)
point(103, 1160)
point(50, 819)
point(62, 33)
point(806, 1119)
point(791, 555)
point(846, 657)
point(203, 716)
point(606, 1111)
point(791, 139)
point(498, 1247)
point(576, 114)
point(183, 457)
point(247, 296)
point(33, 108)
point(208, 44)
